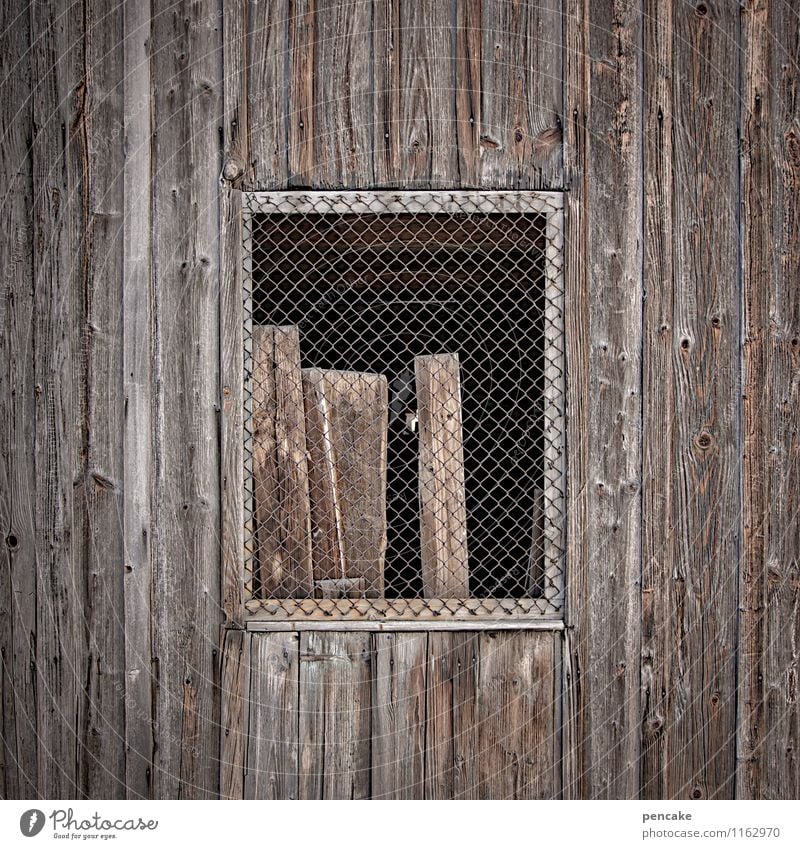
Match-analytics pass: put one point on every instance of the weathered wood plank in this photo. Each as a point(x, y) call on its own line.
point(275, 718)
point(343, 114)
point(137, 445)
point(59, 159)
point(521, 98)
point(427, 144)
point(515, 711)
point(604, 301)
point(468, 81)
point(346, 432)
point(280, 465)
point(186, 613)
point(302, 38)
point(769, 717)
point(398, 715)
point(263, 112)
point(335, 700)
point(18, 569)
point(385, 69)
point(691, 647)
point(235, 712)
point(451, 735)
point(443, 512)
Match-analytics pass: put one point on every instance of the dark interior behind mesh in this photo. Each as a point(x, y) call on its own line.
point(371, 292)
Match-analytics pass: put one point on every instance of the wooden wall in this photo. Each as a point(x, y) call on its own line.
point(127, 129)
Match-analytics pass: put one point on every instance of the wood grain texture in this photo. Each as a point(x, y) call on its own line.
point(520, 135)
point(604, 242)
point(335, 702)
point(516, 694)
point(280, 465)
point(769, 719)
point(451, 732)
point(235, 712)
point(346, 431)
point(186, 612)
point(442, 498)
point(398, 716)
point(301, 129)
point(692, 644)
point(18, 570)
point(274, 722)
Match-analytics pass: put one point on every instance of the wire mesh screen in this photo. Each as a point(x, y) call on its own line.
point(404, 404)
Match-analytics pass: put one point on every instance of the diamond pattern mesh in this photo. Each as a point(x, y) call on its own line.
point(404, 404)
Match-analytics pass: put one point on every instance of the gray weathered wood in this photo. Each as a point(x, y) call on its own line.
point(515, 710)
point(186, 612)
point(335, 700)
point(768, 713)
point(280, 466)
point(520, 134)
point(346, 432)
point(468, 82)
point(235, 710)
point(302, 68)
point(274, 726)
point(398, 715)
point(443, 513)
point(18, 569)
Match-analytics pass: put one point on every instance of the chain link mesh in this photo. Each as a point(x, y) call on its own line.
point(404, 403)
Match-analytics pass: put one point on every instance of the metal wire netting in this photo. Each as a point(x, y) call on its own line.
point(404, 403)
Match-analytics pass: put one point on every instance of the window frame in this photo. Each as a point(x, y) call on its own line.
point(399, 614)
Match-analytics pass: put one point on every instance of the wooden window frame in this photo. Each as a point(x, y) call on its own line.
point(258, 614)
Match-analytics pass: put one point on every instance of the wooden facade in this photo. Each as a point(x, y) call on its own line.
point(129, 130)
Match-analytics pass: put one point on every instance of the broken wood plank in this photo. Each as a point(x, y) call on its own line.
point(443, 513)
point(280, 467)
point(335, 673)
point(347, 415)
point(272, 753)
point(340, 588)
point(398, 716)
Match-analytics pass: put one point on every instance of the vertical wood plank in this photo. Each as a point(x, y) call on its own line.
point(469, 80)
point(344, 118)
point(235, 712)
point(59, 220)
point(769, 717)
point(516, 694)
point(280, 465)
point(604, 242)
point(273, 742)
point(186, 613)
point(691, 648)
point(302, 70)
point(18, 563)
point(443, 513)
point(398, 715)
point(386, 93)
point(451, 732)
point(335, 700)
point(521, 104)
point(264, 117)
point(347, 431)
point(427, 154)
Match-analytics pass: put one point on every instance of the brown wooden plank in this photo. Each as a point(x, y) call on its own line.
point(280, 466)
point(451, 733)
point(769, 717)
point(535, 574)
point(335, 676)
point(469, 78)
point(272, 751)
point(343, 113)
point(443, 515)
point(604, 302)
point(516, 704)
point(398, 715)
point(262, 114)
point(18, 746)
point(427, 147)
point(234, 712)
point(346, 432)
point(302, 37)
point(520, 131)
point(692, 642)
point(186, 612)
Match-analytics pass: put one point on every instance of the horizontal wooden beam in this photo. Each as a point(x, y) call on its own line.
point(538, 623)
